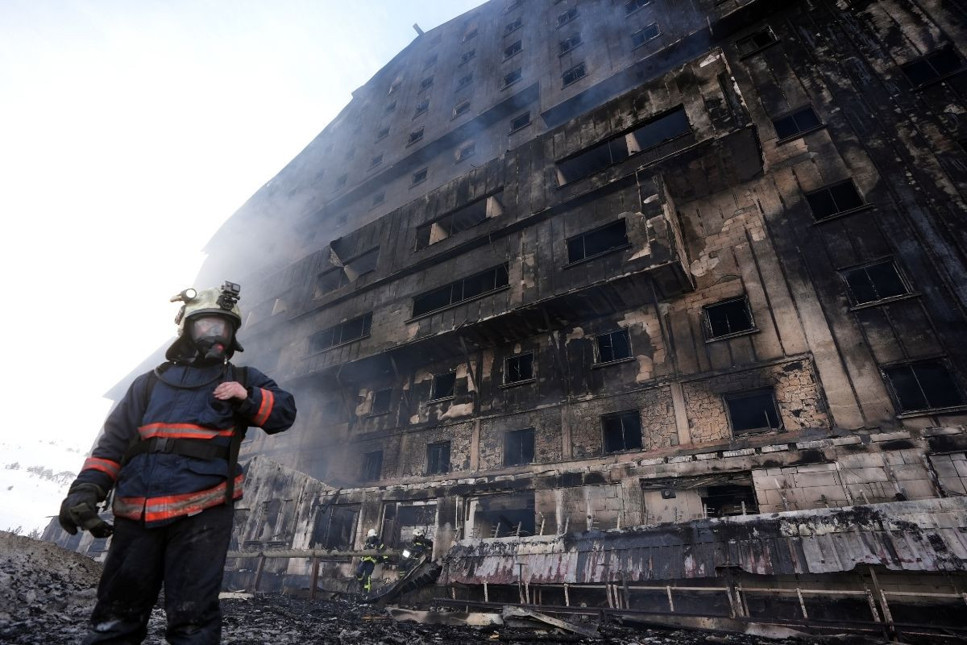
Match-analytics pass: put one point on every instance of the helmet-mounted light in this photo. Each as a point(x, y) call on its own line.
point(185, 296)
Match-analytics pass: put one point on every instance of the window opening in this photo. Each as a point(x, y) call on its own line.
point(574, 74)
point(567, 16)
point(506, 515)
point(729, 499)
point(470, 33)
point(622, 431)
point(372, 466)
point(597, 242)
point(924, 385)
point(632, 6)
point(874, 282)
point(443, 386)
point(346, 332)
point(382, 133)
point(512, 77)
point(426, 83)
point(341, 181)
point(415, 136)
point(462, 219)
point(438, 458)
point(466, 151)
point(467, 56)
point(570, 43)
point(375, 161)
point(335, 527)
point(834, 199)
point(512, 49)
point(381, 401)
point(796, 124)
point(461, 290)
point(614, 346)
point(521, 121)
point(419, 177)
point(642, 36)
point(519, 368)
point(421, 107)
point(464, 81)
point(519, 447)
point(513, 26)
point(728, 318)
point(752, 411)
point(615, 150)
point(932, 67)
point(362, 264)
point(461, 108)
point(756, 41)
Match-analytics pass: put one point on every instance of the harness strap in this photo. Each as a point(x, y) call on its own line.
point(184, 447)
point(241, 376)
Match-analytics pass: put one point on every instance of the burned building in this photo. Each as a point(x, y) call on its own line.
point(614, 295)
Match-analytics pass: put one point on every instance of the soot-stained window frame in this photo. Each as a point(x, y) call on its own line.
point(577, 245)
point(438, 457)
point(917, 373)
point(882, 278)
point(518, 444)
point(764, 399)
point(513, 367)
point(499, 281)
point(624, 425)
point(342, 334)
point(731, 307)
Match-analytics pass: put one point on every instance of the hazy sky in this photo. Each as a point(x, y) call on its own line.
point(129, 132)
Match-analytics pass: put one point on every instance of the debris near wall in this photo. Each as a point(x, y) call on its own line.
point(47, 593)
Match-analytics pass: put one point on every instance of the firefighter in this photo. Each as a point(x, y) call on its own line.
point(169, 451)
point(364, 573)
point(419, 546)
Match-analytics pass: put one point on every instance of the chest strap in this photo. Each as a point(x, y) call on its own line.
point(184, 447)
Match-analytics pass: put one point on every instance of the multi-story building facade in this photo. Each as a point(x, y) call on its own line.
point(564, 267)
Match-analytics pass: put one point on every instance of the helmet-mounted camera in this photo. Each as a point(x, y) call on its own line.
point(229, 296)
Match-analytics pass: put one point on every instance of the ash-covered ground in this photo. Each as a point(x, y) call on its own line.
point(46, 595)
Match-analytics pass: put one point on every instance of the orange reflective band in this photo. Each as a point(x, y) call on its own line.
point(181, 431)
point(112, 468)
point(128, 507)
point(268, 401)
point(163, 508)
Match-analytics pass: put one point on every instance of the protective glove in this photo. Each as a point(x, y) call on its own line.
point(79, 510)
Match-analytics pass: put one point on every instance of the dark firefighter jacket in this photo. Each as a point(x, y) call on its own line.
point(373, 544)
point(159, 486)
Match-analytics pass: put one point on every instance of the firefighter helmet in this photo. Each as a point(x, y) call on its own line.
point(421, 532)
point(371, 533)
point(221, 302)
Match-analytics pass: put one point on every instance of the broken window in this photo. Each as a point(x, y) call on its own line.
point(330, 281)
point(752, 411)
point(622, 431)
point(519, 447)
point(421, 107)
point(400, 521)
point(512, 77)
point(729, 499)
point(415, 136)
point(519, 368)
point(834, 199)
point(381, 401)
point(466, 289)
point(372, 466)
point(642, 36)
point(934, 66)
point(632, 6)
point(461, 108)
point(614, 346)
point(728, 318)
point(506, 515)
point(513, 26)
point(569, 43)
point(797, 123)
point(654, 132)
point(462, 219)
point(924, 385)
point(345, 332)
point(567, 16)
point(443, 386)
point(874, 282)
point(756, 41)
point(420, 175)
point(573, 74)
point(521, 121)
point(510, 50)
point(335, 527)
point(466, 151)
point(597, 242)
point(438, 458)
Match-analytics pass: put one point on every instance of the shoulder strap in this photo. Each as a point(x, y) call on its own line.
point(240, 374)
point(131, 450)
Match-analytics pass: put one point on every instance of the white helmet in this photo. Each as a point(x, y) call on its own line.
point(419, 533)
point(371, 533)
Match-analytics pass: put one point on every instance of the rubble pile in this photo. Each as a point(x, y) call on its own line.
point(47, 593)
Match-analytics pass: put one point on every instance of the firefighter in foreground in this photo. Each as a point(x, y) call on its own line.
point(170, 452)
point(364, 573)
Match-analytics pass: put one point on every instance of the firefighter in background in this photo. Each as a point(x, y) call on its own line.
point(419, 546)
point(169, 450)
point(364, 573)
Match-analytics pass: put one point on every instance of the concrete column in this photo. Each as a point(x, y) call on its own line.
point(681, 419)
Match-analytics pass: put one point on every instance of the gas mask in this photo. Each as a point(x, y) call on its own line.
point(212, 336)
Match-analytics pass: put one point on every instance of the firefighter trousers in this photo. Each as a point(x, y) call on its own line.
point(187, 557)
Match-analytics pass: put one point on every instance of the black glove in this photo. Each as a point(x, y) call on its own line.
point(79, 510)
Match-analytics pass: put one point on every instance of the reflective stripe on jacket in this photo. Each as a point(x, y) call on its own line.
point(159, 487)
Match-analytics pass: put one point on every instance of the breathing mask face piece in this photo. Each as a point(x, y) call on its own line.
point(212, 336)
